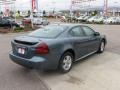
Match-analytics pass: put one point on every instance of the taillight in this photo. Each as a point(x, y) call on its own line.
point(42, 49)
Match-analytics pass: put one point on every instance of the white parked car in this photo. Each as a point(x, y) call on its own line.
point(80, 18)
point(23, 14)
point(40, 21)
point(112, 20)
point(92, 19)
point(86, 18)
point(37, 20)
point(38, 14)
point(100, 19)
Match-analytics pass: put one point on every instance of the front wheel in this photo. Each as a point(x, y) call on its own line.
point(14, 27)
point(102, 47)
point(66, 62)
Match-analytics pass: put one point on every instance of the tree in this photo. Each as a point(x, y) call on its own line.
point(29, 12)
point(44, 13)
point(94, 13)
point(1, 12)
point(18, 12)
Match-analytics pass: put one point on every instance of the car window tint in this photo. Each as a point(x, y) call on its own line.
point(0, 21)
point(77, 32)
point(50, 31)
point(6, 18)
point(4, 21)
point(88, 31)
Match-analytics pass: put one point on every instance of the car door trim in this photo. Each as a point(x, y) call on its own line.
point(86, 55)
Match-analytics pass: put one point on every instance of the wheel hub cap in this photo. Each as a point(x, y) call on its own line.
point(67, 62)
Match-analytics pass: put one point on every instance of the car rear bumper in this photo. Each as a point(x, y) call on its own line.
point(35, 62)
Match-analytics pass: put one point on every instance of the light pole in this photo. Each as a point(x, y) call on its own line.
point(32, 9)
point(105, 7)
point(14, 10)
point(114, 9)
point(53, 4)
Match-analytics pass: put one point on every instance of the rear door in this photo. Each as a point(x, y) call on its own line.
point(93, 41)
point(80, 41)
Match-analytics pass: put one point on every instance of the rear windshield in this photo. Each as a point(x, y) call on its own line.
point(51, 31)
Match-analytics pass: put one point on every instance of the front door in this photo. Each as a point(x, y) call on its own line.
point(93, 41)
point(80, 42)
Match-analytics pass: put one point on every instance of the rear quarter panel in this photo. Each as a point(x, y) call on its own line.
point(56, 48)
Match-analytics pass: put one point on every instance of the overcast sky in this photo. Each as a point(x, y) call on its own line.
point(45, 4)
point(60, 4)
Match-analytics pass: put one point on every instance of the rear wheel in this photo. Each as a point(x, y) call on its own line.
point(14, 27)
point(66, 62)
point(102, 47)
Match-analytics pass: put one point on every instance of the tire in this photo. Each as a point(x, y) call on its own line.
point(66, 62)
point(111, 22)
point(102, 47)
point(14, 27)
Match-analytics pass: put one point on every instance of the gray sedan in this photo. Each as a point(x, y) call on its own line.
point(56, 46)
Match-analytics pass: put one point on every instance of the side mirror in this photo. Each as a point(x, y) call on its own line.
point(97, 34)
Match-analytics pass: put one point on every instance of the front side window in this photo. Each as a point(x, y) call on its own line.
point(88, 31)
point(3, 21)
point(77, 32)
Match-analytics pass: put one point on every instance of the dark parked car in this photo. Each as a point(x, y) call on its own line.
point(9, 18)
point(8, 24)
point(56, 46)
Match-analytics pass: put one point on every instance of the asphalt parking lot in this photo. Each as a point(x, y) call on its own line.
point(98, 72)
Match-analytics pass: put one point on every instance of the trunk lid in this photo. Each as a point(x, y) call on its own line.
point(24, 46)
point(26, 40)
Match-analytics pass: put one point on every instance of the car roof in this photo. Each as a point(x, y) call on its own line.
point(67, 25)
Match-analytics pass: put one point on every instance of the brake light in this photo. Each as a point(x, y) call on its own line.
point(42, 49)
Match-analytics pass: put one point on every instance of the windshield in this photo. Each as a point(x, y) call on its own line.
point(97, 17)
point(51, 31)
point(112, 18)
point(6, 18)
point(93, 17)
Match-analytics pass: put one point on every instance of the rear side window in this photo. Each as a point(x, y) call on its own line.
point(88, 31)
point(0, 21)
point(77, 32)
point(51, 31)
point(4, 21)
point(6, 18)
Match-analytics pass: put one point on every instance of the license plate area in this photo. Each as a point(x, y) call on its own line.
point(20, 50)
